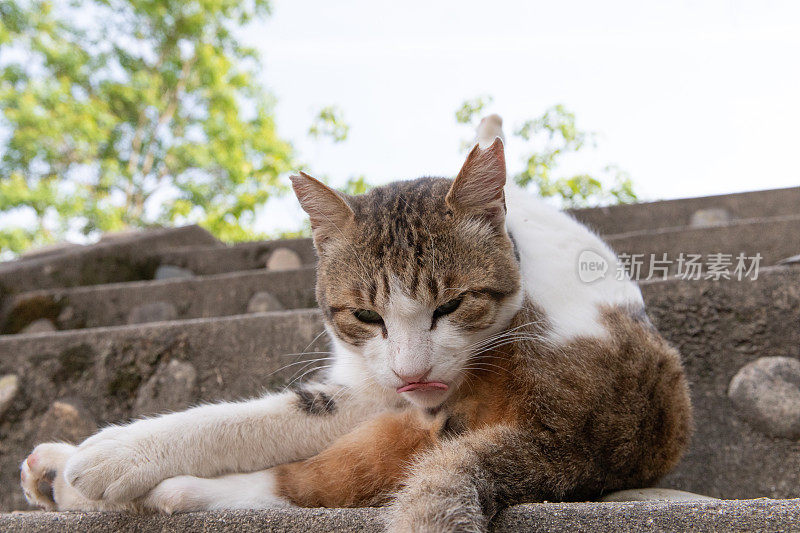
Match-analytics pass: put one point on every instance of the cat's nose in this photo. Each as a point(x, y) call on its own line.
point(414, 377)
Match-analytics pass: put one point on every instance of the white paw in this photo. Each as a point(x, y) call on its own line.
point(43, 483)
point(114, 465)
point(179, 494)
point(256, 490)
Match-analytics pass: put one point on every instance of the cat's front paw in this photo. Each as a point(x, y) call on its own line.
point(43, 483)
point(116, 465)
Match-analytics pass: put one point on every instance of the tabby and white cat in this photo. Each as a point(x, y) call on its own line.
point(472, 370)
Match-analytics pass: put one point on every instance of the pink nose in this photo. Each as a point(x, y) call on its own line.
point(413, 378)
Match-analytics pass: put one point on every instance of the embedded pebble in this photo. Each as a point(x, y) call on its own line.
point(171, 388)
point(709, 217)
point(68, 318)
point(284, 259)
point(66, 314)
point(40, 325)
point(65, 421)
point(172, 272)
point(766, 393)
point(262, 302)
point(152, 312)
point(9, 385)
point(653, 494)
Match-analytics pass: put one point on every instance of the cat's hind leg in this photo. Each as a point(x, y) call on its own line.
point(360, 468)
point(255, 490)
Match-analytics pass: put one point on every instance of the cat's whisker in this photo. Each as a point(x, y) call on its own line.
point(494, 342)
point(315, 339)
point(510, 333)
point(304, 374)
point(466, 376)
point(506, 333)
point(496, 346)
point(484, 370)
point(298, 363)
point(305, 353)
point(487, 364)
point(304, 367)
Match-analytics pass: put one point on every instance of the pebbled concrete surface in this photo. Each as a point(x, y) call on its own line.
point(207, 260)
point(199, 297)
point(229, 293)
point(105, 370)
point(774, 238)
point(719, 328)
point(120, 259)
point(675, 213)
point(743, 515)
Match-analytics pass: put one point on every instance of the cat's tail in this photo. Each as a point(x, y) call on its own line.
point(489, 129)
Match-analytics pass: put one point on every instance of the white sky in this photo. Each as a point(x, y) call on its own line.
point(690, 97)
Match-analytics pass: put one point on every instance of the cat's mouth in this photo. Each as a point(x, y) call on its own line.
point(423, 386)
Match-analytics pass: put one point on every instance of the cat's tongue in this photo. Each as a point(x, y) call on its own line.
point(423, 385)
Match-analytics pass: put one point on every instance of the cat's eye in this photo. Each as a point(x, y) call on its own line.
point(368, 316)
point(447, 307)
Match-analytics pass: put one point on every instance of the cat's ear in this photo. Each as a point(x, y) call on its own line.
point(328, 211)
point(478, 188)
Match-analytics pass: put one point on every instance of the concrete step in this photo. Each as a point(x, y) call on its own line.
point(101, 375)
point(775, 239)
point(230, 293)
point(110, 374)
point(137, 256)
point(188, 251)
point(146, 301)
point(710, 516)
point(776, 235)
point(691, 211)
point(114, 258)
point(206, 260)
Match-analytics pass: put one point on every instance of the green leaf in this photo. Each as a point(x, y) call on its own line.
point(152, 116)
point(329, 122)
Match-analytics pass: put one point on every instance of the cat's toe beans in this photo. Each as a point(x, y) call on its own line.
point(39, 471)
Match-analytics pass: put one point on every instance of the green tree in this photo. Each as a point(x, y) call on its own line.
point(329, 125)
point(132, 113)
point(551, 137)
point(329, 122)
point(356, 185)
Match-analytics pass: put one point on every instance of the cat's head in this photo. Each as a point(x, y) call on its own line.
point(413, 275)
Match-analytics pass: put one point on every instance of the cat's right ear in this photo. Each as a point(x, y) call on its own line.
point(478, 188)
point(328, 211)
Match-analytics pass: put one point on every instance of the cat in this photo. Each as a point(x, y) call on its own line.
point(472, 369)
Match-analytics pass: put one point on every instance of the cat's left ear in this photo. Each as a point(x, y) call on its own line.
point(478, 188)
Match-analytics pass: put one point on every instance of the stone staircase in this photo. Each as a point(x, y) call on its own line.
point(147, 322)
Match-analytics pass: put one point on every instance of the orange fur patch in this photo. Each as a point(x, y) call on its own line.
point(362, 467)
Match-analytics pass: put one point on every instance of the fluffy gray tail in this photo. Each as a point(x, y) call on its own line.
point(491, 127)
